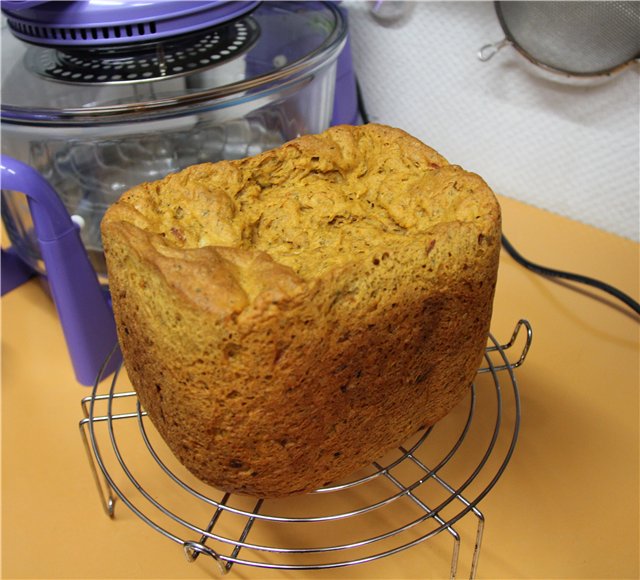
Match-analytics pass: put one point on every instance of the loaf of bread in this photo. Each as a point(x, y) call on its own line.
point(288, 318)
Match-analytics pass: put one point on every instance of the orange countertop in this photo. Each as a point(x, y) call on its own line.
point(567, 505)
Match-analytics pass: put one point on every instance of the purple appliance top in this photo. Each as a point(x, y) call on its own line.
point(92, 23)
point(89, 84)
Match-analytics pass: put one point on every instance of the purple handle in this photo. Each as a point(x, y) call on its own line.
point(86, 317)
point(345, 103)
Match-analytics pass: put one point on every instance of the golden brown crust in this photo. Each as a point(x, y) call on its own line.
point(287, 318)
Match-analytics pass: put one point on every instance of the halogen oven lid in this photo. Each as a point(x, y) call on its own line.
point(139, 67)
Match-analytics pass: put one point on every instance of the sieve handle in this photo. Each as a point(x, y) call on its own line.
point(488, 51)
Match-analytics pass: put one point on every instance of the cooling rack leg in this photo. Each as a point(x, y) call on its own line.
point(245, 533)
point(192, 552)
point(476, 550)
point(456, 536)
point(193, 549)
point(479, 531)
point(107, 497)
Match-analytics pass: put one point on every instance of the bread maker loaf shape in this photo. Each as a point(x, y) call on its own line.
point(290, 317)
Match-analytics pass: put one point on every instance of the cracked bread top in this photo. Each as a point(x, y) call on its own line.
point(277, 222)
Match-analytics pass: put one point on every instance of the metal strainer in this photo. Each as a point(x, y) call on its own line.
point(574, 38)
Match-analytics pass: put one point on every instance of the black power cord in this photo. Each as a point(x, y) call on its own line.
point(545, 271)
point(537, 268)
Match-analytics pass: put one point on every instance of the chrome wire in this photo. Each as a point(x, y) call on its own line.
point(380, 471)
point(193, 548)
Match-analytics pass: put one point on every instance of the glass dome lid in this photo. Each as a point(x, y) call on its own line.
point(207, 54)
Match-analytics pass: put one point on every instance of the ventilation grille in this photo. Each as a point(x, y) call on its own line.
point(145, 62)
point(33, 33)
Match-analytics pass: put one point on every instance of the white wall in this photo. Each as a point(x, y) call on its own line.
point(573, 150)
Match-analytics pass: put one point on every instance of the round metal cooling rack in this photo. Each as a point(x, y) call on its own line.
point(425, 487)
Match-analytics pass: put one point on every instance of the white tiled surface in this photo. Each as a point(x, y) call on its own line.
point(573, 150)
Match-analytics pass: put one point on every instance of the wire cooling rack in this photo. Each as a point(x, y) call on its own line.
point(424, 488)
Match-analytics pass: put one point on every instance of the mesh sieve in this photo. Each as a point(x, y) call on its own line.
point(574, 37)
